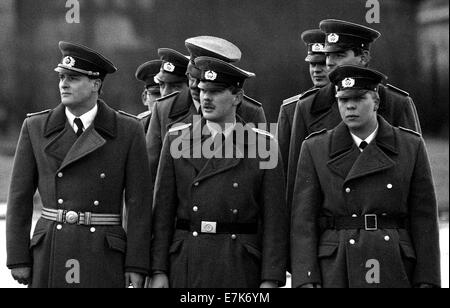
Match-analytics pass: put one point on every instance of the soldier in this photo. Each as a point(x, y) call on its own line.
point(146, 73)
point(220, 222)
point(346, 43)
point(82, 156)
point(172, 75)
point(364, 211)
point(314, 40)
point(179, 107)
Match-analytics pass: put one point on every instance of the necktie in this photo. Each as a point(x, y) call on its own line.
point(80, 126)
point(363, 145)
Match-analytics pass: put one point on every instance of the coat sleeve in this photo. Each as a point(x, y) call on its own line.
point(154, 143)
point(275, 222)
point(424, 221)
point(165, 206)
point(283, 136)
point(409, 118)
point(138, 196)
point(298, 135)
point(304, 229)
point(20, 202)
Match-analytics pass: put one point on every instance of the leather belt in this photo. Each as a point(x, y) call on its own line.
point(369, 222)
point(213, 227)
point(81, 218)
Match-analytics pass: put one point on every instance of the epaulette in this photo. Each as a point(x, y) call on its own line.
point(397, 90)
point(253, 101)
point(168, 96)
point(262, 132)
point(291, 100)
point(38, 113)
point(316, 133)
point(128, 114)
point(144, 114)
point(180, 127)
point(410, 131)
point(308, 93)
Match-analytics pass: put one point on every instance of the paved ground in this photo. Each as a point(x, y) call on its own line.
point(7, 282)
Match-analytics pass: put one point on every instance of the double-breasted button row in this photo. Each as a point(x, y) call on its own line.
point(387, 238)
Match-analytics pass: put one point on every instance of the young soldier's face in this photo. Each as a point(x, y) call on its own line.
point(193, 87)
point(76, 89)
point(358, 113)
point(319, 74)
point(167, 88)
point(218, 104)
point(346, 57)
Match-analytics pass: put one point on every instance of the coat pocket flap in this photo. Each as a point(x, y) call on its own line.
point(175, 246)
point(116, 243)
point(37, 238)
point(407, 250)
point(327, 249)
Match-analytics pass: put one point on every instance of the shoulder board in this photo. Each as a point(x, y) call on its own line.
point(262, 132)
point(128, 114)
point(291, 100)
point(180, 127)
point(38, 113)
point(168, 96)
point(251, 100)
point(316, 133)
point(144, 114)
point(397, 90)
point(410, 131)
point(308, 93)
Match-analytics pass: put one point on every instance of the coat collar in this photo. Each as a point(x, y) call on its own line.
point(105, 121)
point(349, 163)
point(323, 100)
point(182, 104)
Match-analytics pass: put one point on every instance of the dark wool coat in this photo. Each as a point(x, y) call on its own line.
point(179, 107)
point(222, 190)
point(390, 178)
point(88, 174)
point(319, 110)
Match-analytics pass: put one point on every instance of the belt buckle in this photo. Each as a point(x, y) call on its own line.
point(209, 227)
point(374, 225)
point(71, 217)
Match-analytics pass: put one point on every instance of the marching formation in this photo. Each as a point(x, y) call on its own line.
point(196, 193)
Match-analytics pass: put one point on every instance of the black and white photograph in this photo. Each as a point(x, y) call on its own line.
point(224, 145)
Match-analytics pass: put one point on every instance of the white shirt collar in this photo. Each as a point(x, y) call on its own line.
point(87, 118)
point(369, 139)
point(215, 128)
point(196, 105)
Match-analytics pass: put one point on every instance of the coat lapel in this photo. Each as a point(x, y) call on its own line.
point(91, 140)
point(343, 151)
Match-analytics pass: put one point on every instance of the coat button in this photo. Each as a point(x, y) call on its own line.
point(233, 236)
point(309, 274)
point(59, 227)
point(387, 238)
point(352, 242)
point(195, 208)
point(102, 175)
point(354, 215)
point(195, 233)
point(389, 186)
point(96, 203)
point(196, 184)
point(92, 230)
point(235, 211)
point(60, 174)
point(348, 190)
point(235, 185)
point(60, 201)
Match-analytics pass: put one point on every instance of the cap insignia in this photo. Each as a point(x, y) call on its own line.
point(210, 75)
point(68, 61)
point(169, 67)
point(333, 38)
point(348, 83)
point(317, 47)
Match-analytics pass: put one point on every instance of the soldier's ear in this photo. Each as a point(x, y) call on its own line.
point(365, 58)
point(238, 97)
point(97, 85)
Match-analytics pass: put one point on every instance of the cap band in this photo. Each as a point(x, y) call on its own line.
point(357, 83)
point(218, 77)
point(345, 41)
point(169, 67)
point(81, 66)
